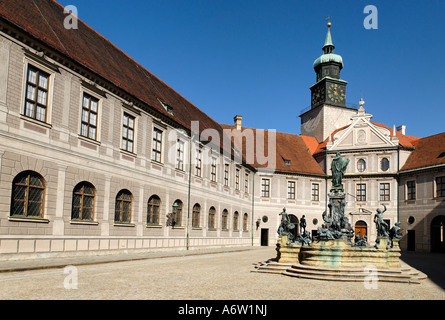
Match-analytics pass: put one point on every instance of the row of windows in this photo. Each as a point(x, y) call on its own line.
point(265, 190)
point(28, 198)
point(36, 105)
point(439, 190)
point(315, 191)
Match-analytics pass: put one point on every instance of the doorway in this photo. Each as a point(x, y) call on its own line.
point(362, 227)
point(437, 234)
point(411, 246)
point(264, 237)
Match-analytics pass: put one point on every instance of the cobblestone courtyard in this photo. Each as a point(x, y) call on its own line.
point(215, 276)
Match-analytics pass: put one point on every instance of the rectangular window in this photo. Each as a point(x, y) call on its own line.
point(291, 190)
point(36, 96)
point(440, 187)
point(384, 192)
point(246, 183)
point(265, 188)
point(128, 132)
point(411, 190)
point(180, 155)
point(315, 195)
point(198, 163)
point(361, 192)
point(213, 170)
point(237, 172)
point(226, 175)
point(88, 126)
point(157, 144)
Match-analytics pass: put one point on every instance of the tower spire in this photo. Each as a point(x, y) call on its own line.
point(328, 45)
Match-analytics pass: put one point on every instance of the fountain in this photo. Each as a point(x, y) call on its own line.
point(336, 253)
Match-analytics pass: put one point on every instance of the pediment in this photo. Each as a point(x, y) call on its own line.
point(361, 133)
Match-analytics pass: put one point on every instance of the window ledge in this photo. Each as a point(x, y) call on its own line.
point(128, 153)
point(153, 226)
point(37, 122)
point(123, 224)
point(87, 222)
point(26, 219)
point(86, 139)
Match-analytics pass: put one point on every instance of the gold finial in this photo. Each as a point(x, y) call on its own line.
point(328, 19)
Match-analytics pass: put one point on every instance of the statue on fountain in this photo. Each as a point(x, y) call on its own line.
point(337, 224)
point(338, 168)
point(286, 226)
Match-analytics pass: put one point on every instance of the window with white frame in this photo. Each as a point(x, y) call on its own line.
point(226, 175)
point(213, 170)
point(36, 94)
point(180, 155)
point(265, 188)
point(315, 192)
point(411, 190)
point(128, 132)
point(88, 126)
point(198, 163)
point(237, 173)
point(291, 190)
point(385, 192)
point(157, 145)
point(361, 192)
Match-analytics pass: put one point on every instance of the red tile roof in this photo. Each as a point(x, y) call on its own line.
point(430, 151)
point(43, 19)
point(288, 147)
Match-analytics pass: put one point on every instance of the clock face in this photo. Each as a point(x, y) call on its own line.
point(317, 95)
point(336, 93)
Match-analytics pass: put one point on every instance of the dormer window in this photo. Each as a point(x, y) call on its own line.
point(287, 162)
point(167, 108)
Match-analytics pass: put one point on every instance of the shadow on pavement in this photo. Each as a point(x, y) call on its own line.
point(432, 264)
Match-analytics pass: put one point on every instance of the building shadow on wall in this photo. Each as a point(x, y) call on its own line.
point(431, 263)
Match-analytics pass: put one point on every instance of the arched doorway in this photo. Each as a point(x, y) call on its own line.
point(293, 219)
point(362, 227)
point(438, 234)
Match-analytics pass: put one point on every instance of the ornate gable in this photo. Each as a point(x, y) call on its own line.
point(361, 133)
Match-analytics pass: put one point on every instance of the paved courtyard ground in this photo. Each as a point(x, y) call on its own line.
point(215, 276)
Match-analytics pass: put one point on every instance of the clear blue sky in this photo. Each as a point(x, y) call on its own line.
point(254, 57)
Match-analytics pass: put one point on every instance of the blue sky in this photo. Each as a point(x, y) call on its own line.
point(254, 57)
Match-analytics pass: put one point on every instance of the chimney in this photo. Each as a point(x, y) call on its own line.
point(401, 129)
point(237, 122)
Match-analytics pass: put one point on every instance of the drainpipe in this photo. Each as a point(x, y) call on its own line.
point(253, 204)
point(189, 191)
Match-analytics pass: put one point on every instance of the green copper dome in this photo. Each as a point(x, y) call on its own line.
point(328, 57)
point(328, 51)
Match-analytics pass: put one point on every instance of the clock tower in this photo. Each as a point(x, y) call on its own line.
point(328, 110)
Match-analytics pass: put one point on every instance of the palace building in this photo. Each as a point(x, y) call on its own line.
point(99, 156)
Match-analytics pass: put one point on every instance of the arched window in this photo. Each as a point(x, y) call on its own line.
point(153, 209)
point(83, 202)
point(245, 221)
point(28, 194)
point(195, 216)
point(122, 211)
point(225, 220)
point(235, 220)
point(177, 213)
point(212, 218)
